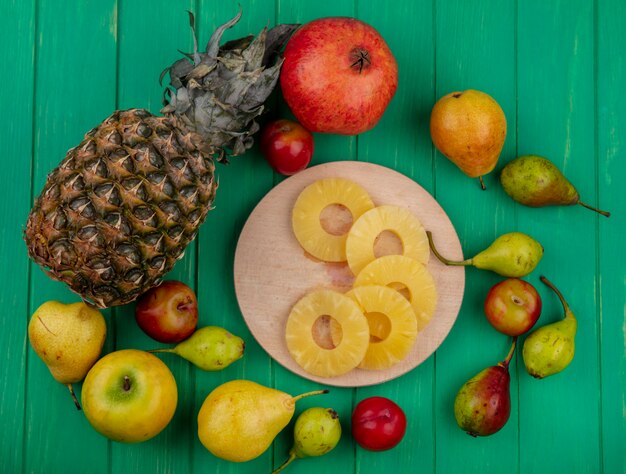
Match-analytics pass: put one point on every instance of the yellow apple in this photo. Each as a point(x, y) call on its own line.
point(129, 396)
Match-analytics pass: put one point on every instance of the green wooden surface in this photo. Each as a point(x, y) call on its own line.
point(557, 68)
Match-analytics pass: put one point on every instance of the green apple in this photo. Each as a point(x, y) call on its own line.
point(129, 396)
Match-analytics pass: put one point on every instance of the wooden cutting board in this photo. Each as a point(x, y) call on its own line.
point(272, 271)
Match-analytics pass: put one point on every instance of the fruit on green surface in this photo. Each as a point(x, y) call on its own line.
point(512, 255)
point(129, 396)
point(483, 404)
point(550, 349)
point(407, 276)
point(378, 424)
point(309, 339)
point(361, 244)
point(210, 348)
point(68, 338)
point(392, 325)
point(469, 128)
point(513, 306)
point(168, 312)
point(536, 182)
point(239, 419)
point(339, 76)
point(316, 432)
point(321, 236)
point(287, 146)
point(120, 209)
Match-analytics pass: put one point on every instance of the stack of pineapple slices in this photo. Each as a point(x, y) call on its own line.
point(374, 325)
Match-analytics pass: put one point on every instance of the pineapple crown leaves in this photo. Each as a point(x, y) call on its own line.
point(217, 94)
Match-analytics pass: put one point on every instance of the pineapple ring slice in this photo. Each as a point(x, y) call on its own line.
point(392, 323)
point(305, 217)
point(400, 221)
point(392, 270)
point(348, 351)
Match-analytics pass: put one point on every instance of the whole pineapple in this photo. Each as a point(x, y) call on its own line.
point(119, 210)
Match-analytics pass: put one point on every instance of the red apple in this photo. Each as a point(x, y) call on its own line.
point(168, 312)
point(513, 306)
point(339, 75)
point(287, 146)
point(378, 424)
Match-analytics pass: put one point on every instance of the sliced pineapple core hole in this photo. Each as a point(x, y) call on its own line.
point(380, 326)
point(336, 219)
point(409, 278)
point(383, 231)
point(327, 332)
point(324, 212)
point(387, 243)
point(392, 325)
point(402, 289)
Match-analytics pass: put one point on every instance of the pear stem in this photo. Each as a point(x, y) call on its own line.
point(558, 293)
point(292, 456)
point(604, 213)
point(439, 257)
point(71, 389)
point(160, 350)
point(308, 394)
point(482, 184)
point(505, 362)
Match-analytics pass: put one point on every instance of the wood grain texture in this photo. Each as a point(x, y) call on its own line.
point(475, 49)
point(555, 67)
point(145, 48)
point(18, 35)
point(242, 183)
point(558, 122)
point(327, 148)
point(408, 29)
point(610, 127)
point(67, 74)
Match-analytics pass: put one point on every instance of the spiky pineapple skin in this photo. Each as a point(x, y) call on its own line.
point(117, 213)
point(119, 210)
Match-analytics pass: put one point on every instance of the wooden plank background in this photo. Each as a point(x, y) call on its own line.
point(556, 67)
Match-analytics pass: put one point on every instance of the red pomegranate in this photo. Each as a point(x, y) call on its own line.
point(339, 75)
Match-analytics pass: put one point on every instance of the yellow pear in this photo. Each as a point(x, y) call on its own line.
point(469, 128)
point(239, 419)
point(68, 338)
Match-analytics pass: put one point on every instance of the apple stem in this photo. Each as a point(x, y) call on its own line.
point(126, 386)
point(71, 389)
point(308, 394)
point(292, 456)
point(184, 306)
point(439, 257)
point(482, 184)
point(505, 362)
point(604, 213)
point(558, 293)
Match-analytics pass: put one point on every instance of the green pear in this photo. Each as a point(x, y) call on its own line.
point(239, 419)
point(512, 255)
point(316, 432)
point(68, 338)
point(210, 348)
point(550, 349)
point(536, 182)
